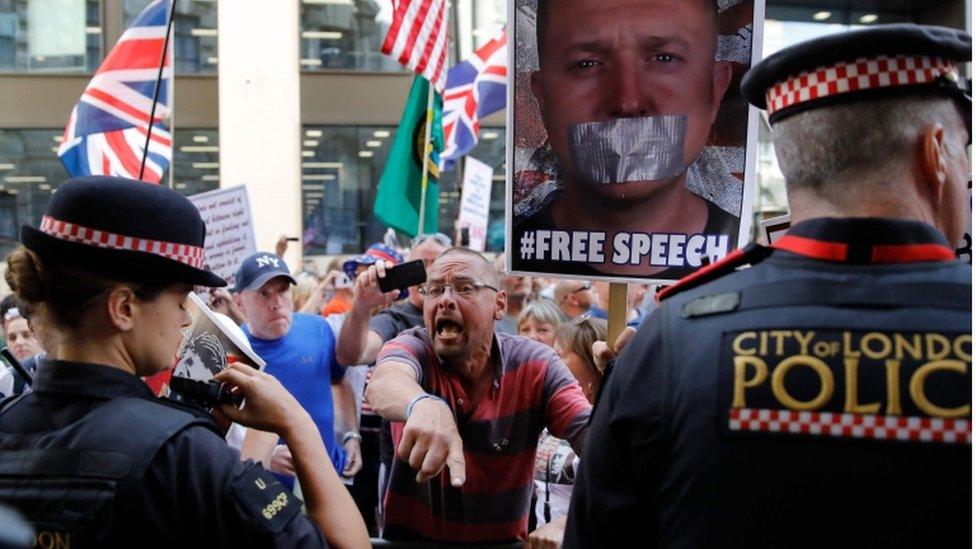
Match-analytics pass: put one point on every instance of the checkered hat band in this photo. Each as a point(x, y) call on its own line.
point(860, 75)
point(874, 427)
point(186, 254)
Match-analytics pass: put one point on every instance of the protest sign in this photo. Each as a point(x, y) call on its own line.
point(773, 228)
point(475, 202)
point(627, 163)
point(230, 232)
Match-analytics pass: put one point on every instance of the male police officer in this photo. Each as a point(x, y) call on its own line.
point(821, 397)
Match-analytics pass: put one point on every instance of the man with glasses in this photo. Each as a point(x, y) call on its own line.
point(365, 330)
point(573, 297)
point(468, 404)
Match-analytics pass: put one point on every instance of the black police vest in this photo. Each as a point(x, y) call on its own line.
point(67, 481)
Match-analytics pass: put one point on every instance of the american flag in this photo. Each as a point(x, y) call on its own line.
point(106, 132)
point(418, 38)
point(475, 88)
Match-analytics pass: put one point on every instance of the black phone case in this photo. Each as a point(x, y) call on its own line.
point(404, 275)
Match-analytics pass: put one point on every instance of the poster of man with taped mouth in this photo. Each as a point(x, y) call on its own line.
point(629, 147)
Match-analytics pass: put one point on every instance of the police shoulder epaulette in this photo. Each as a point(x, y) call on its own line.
point(751, 254)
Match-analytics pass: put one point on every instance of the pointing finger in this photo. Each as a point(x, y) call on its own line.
point(455, 463)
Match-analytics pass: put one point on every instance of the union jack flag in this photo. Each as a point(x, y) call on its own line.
point(418, 38)
point(475, 88)
point(106, 132)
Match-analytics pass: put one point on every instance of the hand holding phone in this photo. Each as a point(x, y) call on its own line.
point(403, 276)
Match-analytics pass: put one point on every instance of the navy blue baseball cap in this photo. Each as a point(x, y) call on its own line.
point(259, 268)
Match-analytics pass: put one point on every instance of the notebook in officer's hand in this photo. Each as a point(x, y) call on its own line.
point(213, 341)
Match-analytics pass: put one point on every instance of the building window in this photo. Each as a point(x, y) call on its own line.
point(194, 33)
point(490, 150)
point(346, 35)
point(50, 36)
point(30, 171)
point(341, 169)
point(196, 167)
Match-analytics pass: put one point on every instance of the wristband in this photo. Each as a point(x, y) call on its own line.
point(420, 397)
point(352, 435)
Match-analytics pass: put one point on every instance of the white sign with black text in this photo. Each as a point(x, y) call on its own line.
point(475, 201)
point(230, 231)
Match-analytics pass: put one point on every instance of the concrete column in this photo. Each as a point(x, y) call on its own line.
point(259, 114)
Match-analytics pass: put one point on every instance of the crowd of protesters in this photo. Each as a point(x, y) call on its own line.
point(321, 334)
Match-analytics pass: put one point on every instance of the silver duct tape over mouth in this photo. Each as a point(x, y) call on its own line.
point(629, 149)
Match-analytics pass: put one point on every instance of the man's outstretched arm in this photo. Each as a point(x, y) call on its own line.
point(430, 436)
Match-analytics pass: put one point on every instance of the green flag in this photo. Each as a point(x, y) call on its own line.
point(398, 197)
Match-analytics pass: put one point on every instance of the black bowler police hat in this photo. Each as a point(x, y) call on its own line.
point(861, 65)
point(123, 229)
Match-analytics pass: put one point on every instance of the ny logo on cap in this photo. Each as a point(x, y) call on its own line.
point(267, 260)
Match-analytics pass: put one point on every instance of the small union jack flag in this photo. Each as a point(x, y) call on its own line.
point(475, 88)
point(106, 132)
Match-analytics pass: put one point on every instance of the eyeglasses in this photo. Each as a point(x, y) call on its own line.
point(439, 238)
point(461, 288)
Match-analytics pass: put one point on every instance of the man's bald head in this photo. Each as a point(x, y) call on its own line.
point(484, 265)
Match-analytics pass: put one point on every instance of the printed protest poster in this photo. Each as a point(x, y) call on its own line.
point(630, 144)
point(230, 232)
point(773, 228)
point(475, 202)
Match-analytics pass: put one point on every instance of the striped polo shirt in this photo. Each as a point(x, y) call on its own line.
point(532, 390)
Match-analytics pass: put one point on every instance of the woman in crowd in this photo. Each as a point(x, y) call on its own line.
point(100, 460)
point(555, 461)
point(538, 321)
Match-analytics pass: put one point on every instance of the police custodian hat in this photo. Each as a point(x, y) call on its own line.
point(858, 65)
point(123, 229)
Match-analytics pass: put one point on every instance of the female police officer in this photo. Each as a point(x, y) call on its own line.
point(90, 457)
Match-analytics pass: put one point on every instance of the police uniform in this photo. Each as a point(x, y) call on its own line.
point(90, 457)
point(819, 398)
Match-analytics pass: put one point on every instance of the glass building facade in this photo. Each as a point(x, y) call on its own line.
point(61, 42)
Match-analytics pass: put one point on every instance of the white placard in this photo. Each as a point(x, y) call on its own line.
point(230, 233)
point(475, 202)
point(773, 228)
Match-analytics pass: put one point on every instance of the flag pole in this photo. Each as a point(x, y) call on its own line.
point(426, 158)
point(159, 79)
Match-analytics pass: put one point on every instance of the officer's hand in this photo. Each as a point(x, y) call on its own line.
point(281, 461)
point(603, 353)
point(354, 458)
point(547, 536)
point(366, 291)
point(267, 405)
point(431, 440)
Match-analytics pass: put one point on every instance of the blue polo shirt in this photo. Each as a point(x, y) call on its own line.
point(303, 360)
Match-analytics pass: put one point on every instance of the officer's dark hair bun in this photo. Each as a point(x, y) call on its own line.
point(25, 276)
point(62, 291)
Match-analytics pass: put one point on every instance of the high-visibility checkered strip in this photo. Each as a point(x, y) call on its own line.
point(917, 429)
point(862, 74)
point(186, 254)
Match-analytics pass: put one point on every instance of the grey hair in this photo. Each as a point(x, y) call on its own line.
point(542, 311)
point(825, 149)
